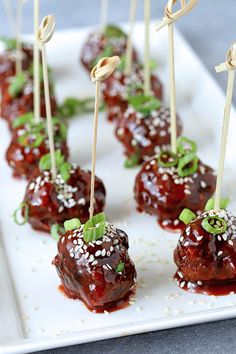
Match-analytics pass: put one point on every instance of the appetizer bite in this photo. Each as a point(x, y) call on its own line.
point(94, 265)
point(30, 142)
point(121, 85)
point(144, 129)
point(93, 261)
point(18, 98)
point(50, 201)
point(206, 251)
point(61, 191)
point(168, 183)
point(110, 41)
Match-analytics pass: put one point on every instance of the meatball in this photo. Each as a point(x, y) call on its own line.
point(144, 135)
point(50, 202)
point(119, 86)
point(160, 191)
point(100, 273)
point(8, 62)
point(23, 102)
point(29, 143)
point(112, 41)
point(206, 260)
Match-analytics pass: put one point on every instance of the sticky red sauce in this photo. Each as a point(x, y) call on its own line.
point(96, 282)
point(115, 90)
point(206, 262)
point(162, 197)
point(122, 304)
point(46, 209)
point(217, 289)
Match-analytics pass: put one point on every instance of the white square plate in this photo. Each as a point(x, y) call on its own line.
point(34, 315)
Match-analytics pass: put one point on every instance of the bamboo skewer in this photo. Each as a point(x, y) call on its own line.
point(36, 64)
point(172, 89)
point(44, 35)
point(147, 83)
point(129, 48)
point(104, 68)
point(168, 20)
point(18, 37)
point(104, 13)
point(230, 66)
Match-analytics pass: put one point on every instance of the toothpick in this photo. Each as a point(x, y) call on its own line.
point(44, 35)
point(104, 13)
point(168, 20)
point(94, 146)
point(9, 15)
point(172, 89)
point(129, 47)
point(104, 68)
point(18, 37)
point(147, 83)
point(36, 64)
point(230, 66)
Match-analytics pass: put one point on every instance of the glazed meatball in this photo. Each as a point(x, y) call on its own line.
point(100, 273)
point(206, 260)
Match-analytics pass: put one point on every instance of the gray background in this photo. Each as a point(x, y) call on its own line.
point(210, 31)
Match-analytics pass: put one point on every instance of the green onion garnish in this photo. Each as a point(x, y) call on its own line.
point(112, 31)
point(185, 145)
point(63, 166)
point(24, 209)
point(167, 159)
point(72, 224)
point(73, 106)
point(214, 225)
point(223, 204)
point(17, 85)
point(120, 267)
point(187, 216)
point(144, 104)
point(187, 165)
point(133, 160)
point(94, 228)
point(56, 231)
point(26, 118)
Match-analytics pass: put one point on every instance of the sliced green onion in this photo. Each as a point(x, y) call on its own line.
point(65, 169)
point(185, 145)
point(17, 85)
point(22, 120)
point(167, 159)
point(187, 165)
point(23, 140)
point(223, 204)
point(39, 140)
point(133, 160)
point(120, 267)
point(144, 104)
point(72, 224)
point(73, 106)
point(112, 31)
point(24, 209)
point(94, 228)
point(56, 231)
point(214, 225)
point(187, 216)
